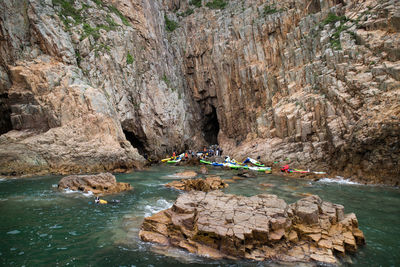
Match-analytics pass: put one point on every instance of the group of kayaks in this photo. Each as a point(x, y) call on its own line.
point(233, 164)
point(174, 159)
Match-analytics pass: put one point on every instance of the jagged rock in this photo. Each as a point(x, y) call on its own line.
point(205, 185)
point(287, 84)
point(99, 184)
point(261, 227)
point(186, 174)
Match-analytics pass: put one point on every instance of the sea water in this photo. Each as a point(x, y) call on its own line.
point(43, 226)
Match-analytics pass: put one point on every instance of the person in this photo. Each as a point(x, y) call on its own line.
point(97, 200)
point(285, 168)
point(174, 155)
point(186, 156)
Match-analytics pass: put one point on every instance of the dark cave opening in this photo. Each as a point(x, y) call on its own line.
point(211, 127)
point(135, 142)
point(5, 111)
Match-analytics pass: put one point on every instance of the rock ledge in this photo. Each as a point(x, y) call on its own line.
point(261, 227)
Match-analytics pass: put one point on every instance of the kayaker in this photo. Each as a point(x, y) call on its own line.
point(285, 168)
point(97, 200)
point(173, 155)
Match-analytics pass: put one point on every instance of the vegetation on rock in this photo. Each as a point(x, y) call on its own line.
point(170, 25)
point(216, 4)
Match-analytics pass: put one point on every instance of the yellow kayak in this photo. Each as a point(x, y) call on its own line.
point(102, 201)
point(165, 160)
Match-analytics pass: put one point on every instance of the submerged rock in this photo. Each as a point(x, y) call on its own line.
point(261, 227)
point(186, 174)
point(103, 183)
point(205, 185)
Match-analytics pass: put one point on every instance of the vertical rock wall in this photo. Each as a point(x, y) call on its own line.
point(305, 81)
point(312, 82)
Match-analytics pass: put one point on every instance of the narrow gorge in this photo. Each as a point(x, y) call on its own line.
point(90, 85)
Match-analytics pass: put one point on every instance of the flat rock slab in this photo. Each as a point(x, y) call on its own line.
point(262, 227)
point(186, 174)
point(205, 185)
point(103, 183)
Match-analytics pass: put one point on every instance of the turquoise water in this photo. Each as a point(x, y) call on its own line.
point(42, 226)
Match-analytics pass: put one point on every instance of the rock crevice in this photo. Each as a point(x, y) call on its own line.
point(261, 227)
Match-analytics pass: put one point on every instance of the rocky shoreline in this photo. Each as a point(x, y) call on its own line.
point(261, 227)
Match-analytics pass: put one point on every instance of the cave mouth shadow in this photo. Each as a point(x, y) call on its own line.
point(5, 118)
point(211, 127)
point(135, 142)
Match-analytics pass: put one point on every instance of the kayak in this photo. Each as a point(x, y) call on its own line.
point(173, 161)
point(217, 164)
point(260, 169)
point(206, 162)
point(165, 160)
point(102, 201)
point(254, 162)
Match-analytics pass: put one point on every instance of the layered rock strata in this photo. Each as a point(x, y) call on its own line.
point(205, 185)
point(99, 184)
point(261, 227)
point(315, 82)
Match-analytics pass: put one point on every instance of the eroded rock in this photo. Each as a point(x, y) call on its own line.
point(186, 174)
point(205, 185)
point(103, 183)
point(261, 227)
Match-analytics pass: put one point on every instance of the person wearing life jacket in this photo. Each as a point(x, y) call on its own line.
point(174, 155)
point(285, 168)
point(186, 156)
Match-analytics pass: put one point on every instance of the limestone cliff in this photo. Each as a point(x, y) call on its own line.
point(88, 85)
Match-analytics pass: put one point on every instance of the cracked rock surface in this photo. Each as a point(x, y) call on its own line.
point(261, 227)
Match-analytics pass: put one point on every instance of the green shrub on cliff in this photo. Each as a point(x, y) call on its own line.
point(196, 3)
point(129, 58)
point(186, 13)
point(170, 25)
point(216, 4)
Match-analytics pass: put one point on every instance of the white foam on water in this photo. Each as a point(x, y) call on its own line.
point(69, 191)
point(14, 232)
point(338, 180)
point(2, 179)
point(160, 205)
point(54, 185)
point(88, 194)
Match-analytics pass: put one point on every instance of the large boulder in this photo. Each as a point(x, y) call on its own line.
point(261, 227)
point(205, 185)
point(103, 183)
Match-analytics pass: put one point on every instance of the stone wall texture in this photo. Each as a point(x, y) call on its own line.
point(95, 85)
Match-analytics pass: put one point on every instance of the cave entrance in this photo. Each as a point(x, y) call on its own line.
point(211, 127)
point(5, 119)
point(135, 142)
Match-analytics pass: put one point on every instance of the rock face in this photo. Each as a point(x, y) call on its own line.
point(103, 183)
point(103, 81)
point(305, 80)
point(261, 227)
point(205, 185)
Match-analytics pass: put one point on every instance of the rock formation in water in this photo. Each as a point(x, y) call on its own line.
point(99, 184)
point(208, 184)
point(95, 85)
point(261, 227)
